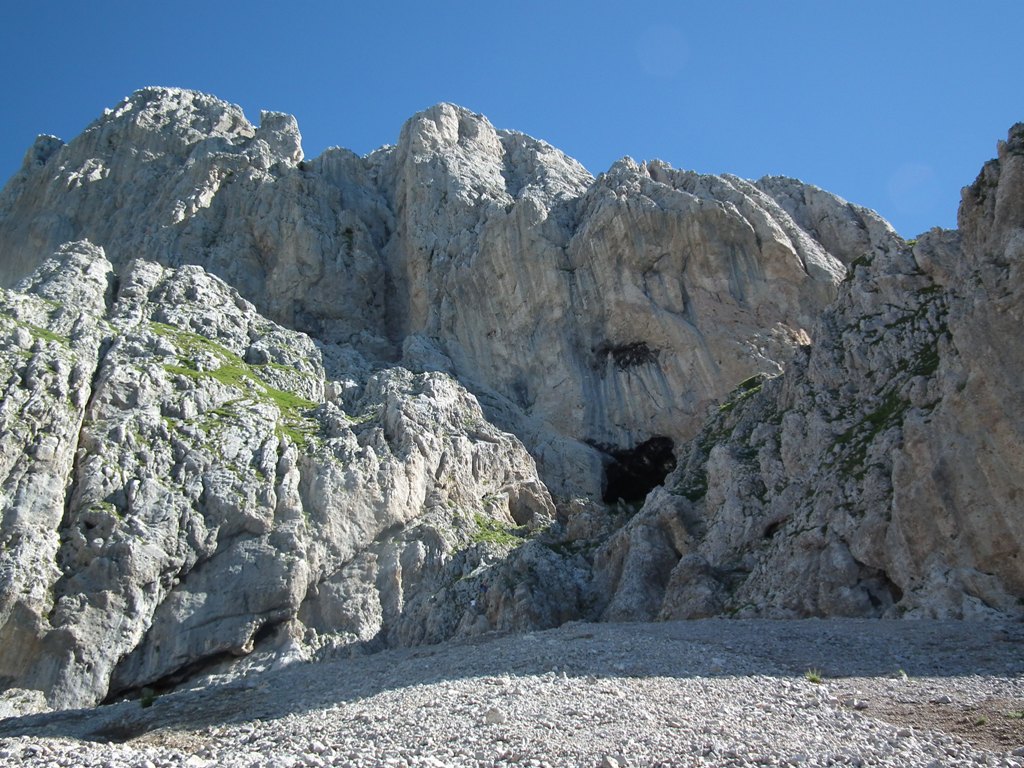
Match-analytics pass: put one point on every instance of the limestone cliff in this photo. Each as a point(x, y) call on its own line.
point(590, 315)
point(881, 474)
point(260, 408)
point(181, 482)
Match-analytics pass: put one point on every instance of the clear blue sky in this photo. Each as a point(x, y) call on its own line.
point(893, 105)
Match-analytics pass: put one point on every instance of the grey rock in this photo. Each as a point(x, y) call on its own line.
point(190, 469)
point(259, 409)
point(495, 716)
point(642, 296)
point(878, 475)
point(46, 386)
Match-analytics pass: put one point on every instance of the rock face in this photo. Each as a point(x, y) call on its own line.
point(590, 315)
point(259, 408)
point(881, 474)
point(182, 482)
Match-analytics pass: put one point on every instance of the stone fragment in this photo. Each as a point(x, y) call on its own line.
point(495, 716)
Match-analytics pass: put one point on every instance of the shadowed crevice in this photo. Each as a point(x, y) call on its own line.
point(632, 473)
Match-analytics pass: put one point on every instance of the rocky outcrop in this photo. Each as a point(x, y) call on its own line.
point(591, 316)
point(51, 341)
point(182, 483)
point(880, 475)
point(259, 408)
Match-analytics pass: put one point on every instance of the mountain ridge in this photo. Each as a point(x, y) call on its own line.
point(459, 384)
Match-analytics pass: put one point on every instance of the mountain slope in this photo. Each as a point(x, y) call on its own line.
point(881, 475)
point(261, 408)
point(591, 315)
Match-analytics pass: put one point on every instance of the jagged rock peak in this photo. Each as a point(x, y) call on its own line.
point(186, 113)
point(501, 164)
point(992, 208)
point(446, 125)
point(190, 117)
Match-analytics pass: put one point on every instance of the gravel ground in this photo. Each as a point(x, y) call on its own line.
point(701, 693)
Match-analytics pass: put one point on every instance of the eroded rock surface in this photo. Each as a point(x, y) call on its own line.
point(259, 408)
point(183, 483)
point(881, 474)
point(590, 315)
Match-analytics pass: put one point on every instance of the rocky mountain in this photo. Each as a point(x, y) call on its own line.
point(880, 475)
point(259, 408)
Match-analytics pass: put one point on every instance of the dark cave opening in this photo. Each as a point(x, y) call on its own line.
point(169, 682)
point(626, 356)
point(632, 473)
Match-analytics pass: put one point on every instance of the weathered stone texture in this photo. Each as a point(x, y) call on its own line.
point(881, 473)
point(258, 408)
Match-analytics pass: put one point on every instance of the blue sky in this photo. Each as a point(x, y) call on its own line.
point(894, 105)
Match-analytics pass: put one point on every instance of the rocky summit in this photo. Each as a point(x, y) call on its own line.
point(258, 408)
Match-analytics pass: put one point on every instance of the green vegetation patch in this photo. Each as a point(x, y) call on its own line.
point(492, 532)
point(752, 383)
point(36, 331)
point(103, 508)
point(864, 260)
point(745, 389)
point(697, 488)
point(859, 437)
point(45, 335)
point(926, 362)
point(236, 373)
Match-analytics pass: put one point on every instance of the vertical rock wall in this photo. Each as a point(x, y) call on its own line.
point(880, 475)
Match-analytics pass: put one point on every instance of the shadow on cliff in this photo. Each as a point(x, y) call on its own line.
point(838, 648)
